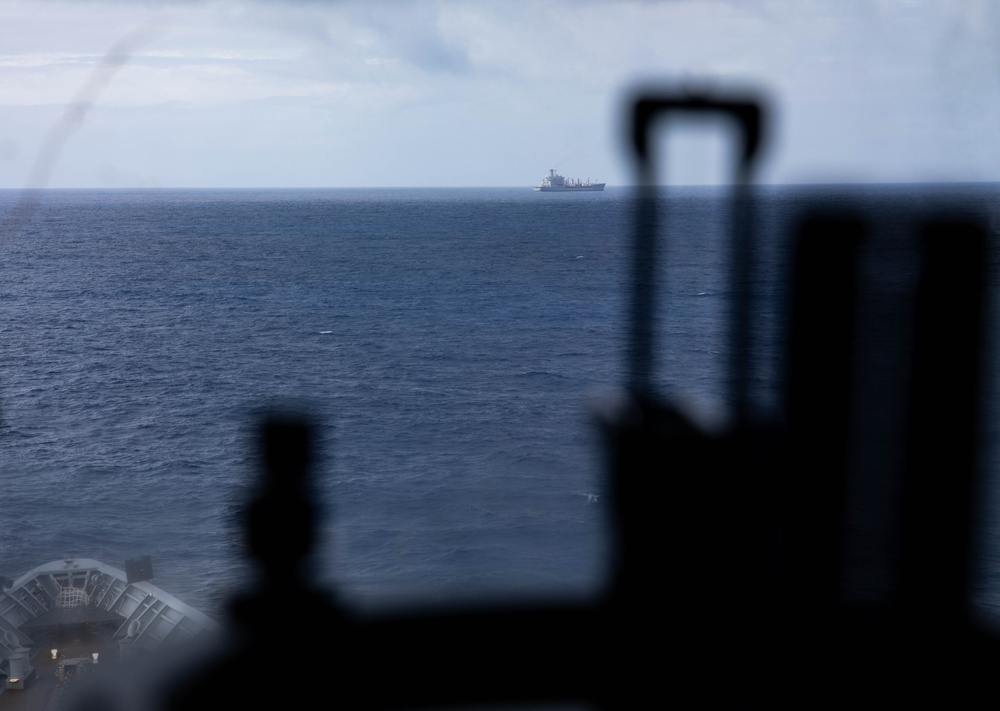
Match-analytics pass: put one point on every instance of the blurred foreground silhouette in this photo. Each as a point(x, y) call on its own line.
point(746, 557)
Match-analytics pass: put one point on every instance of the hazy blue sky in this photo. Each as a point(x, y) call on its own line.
point(489, 93)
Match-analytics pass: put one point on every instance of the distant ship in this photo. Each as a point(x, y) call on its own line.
point(555, 183)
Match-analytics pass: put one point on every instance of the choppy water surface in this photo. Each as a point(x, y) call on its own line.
point(449, 344)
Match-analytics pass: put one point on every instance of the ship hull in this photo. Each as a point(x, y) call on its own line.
point(555, 183)
point(599, 187)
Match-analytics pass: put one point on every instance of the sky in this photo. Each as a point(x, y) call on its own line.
point(487, 93)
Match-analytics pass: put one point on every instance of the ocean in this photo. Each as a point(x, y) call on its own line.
point(450, 345)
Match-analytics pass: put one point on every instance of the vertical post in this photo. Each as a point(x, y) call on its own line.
point(942, 459)
point(819, 386)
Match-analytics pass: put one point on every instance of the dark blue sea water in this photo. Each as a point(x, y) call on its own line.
point(450, 344)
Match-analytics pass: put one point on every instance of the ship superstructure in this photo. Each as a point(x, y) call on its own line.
point(555, 183)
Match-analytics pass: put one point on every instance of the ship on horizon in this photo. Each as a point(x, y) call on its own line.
point(555, 183)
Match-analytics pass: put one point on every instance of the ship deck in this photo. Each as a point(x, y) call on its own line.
point(43, 689)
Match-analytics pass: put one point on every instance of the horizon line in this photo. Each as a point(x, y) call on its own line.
point(842, 183)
